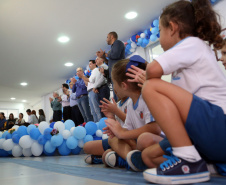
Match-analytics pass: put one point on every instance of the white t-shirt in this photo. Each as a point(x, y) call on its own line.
point(123, 108)
point(137, 115)
point(101, 80)
point(194, 68)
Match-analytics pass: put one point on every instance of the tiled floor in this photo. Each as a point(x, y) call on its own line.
point(60, 170)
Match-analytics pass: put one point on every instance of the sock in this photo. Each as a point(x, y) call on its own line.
point(188, 153)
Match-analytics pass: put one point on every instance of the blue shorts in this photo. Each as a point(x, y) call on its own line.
point(206, 127)
point(105, 144)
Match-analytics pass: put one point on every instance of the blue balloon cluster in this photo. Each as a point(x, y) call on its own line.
point(142, 39)
point(61, 142)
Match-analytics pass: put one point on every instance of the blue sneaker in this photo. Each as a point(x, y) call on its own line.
point(93, 159)
point(135, 161)
point(178, 171)
point(114, 160)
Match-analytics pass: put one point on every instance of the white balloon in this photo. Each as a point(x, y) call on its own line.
point(81, 143)
point(8, 145)
point(99, 133)
point(27, 152)
point(105, 136)
point(42, 126)
point(0, 134)
point(142, 35)
point(1, 142)
point(15, 127)
point(26, 141)
point(17, 151)
point(133, 45)
point(36, 149)
point(72, 130)
point(66, 134)
point(59, 126)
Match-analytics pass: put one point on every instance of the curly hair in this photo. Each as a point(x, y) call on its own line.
point(196, 18)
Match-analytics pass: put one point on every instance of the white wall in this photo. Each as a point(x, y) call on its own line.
point(22, 107)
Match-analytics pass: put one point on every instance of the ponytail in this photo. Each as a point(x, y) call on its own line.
point(206, 23)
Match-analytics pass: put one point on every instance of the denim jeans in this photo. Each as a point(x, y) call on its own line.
point(83, 105)
point(94, 106)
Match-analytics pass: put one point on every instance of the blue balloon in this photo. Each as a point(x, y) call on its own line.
point(71, 142)
point(69, 124)
point(15, 132)
point(129, 41)
point(10, 152)
point(49, 147)
point(8, 136)
point(30, 127)
point(42, 140)
point(57, 140)
point(76, 151)
point(52, 125)
point(156, 23)
point(128, 46)
point(98, 124)
point(143, 45)
point(4, 134)
point(91, 128)
point(153, 38)
point(97, 138)
point(3, 153)
point(63, 149)
point(146, 41)
point(155, 30)
point(16, 138)
point(140, 40)
point(79, 132)
point(76, 77)
point(133, 38)
point(88, 138)
point(48, 154)
point(47, 133)
point(158, 35)
point(22, 130)
point(102, 123)
point(35, 133)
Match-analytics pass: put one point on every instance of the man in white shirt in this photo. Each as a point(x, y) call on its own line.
point(93, 97)
point(65, 100)
point(101, 85)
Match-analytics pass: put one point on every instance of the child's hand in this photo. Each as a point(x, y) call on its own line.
point(115, 127)
point(108, 106)
point(108, 132)
point(138, 75)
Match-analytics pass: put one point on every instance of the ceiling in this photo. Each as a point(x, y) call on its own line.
point(30, 52)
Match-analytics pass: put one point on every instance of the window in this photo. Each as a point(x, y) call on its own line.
point(154, 51)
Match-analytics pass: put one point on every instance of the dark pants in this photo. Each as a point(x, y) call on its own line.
point(57, 115)
point(76, 115)
point(66, 113)
point(104, 92)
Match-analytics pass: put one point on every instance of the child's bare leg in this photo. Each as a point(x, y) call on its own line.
point(152, 156)
point(122, 147)
point(169, 104)
point(147, 139)
point(94, 147)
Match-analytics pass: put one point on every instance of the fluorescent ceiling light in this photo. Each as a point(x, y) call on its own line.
point(12, 98)
point(131, 15)
point(68, 64)
point(24, 100)
point(23, 83)
point(63, 39)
